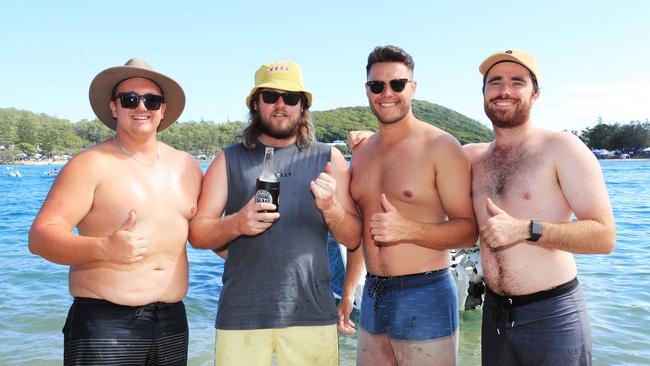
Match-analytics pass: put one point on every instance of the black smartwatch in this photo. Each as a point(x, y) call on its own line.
point(535, 229)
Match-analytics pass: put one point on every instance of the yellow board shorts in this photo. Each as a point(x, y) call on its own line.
point(293, 346)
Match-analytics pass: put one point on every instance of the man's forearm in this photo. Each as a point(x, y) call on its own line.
point(210, 233)
point(455, 233)
point(354, 268)
point(580, 237)
point(344, 226)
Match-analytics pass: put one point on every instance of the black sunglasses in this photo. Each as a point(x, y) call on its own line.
point(130, 100)
point(377, 86)
point(271, 97)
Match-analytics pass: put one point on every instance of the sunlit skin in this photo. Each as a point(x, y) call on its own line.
point(211, 230)
point(530, 173)
point(508, 95)
point(132, 216)
point(411, 182)
point(389, 106)
point(279, 119)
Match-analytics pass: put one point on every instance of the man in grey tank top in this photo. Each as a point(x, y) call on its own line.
point(276, 294)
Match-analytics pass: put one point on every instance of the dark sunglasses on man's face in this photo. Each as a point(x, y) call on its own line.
point(130, 100)
point(377, 86)
point(271, 97)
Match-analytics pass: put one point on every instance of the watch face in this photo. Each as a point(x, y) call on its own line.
point(535, 229)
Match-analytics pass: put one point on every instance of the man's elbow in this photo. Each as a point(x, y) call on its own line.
point(471, 234)
point(34, 242)
point(608, 239)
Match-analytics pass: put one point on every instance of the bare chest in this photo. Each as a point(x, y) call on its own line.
point(153, 194)
point(408, 179)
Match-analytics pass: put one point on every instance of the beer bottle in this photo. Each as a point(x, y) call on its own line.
point(267, 186)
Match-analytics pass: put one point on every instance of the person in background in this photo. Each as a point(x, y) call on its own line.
point(527, 185)
point(131, 199)
point(411, 182)
point(276, 295)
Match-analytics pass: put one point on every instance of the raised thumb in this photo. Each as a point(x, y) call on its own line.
point(386, 204)
point(328, 168)
point(492, 209)
point(129, 224)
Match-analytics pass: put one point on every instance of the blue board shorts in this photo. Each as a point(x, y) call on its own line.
point(549, 327)
point(99, 332)
point(414, 307)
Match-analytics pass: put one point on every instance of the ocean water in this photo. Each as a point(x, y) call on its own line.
point(35, 299)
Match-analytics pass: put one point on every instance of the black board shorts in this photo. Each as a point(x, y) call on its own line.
point(550, 327)
point(98, 332)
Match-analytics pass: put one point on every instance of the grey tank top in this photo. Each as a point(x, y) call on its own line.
point(281, 277)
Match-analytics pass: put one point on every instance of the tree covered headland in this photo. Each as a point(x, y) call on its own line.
point(32, 133)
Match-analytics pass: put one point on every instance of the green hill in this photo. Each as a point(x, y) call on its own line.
point(31, 133)
point(334, 124)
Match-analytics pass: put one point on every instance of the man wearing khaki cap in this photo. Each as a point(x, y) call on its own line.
point(527, 184)
point(276, 294)
point(130, 199)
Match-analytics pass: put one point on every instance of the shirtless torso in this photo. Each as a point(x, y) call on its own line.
point(545, 176)
point(421, 173)
point(106, 184)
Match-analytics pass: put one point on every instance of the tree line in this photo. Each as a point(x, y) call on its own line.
point(32, 133)
point(631, 136)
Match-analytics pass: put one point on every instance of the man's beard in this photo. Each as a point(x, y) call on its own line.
point(509, 118)
point(278, 132)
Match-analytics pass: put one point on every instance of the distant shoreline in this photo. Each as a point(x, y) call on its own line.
point(36, 162)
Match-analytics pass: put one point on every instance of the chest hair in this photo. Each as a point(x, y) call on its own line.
point(503, 172)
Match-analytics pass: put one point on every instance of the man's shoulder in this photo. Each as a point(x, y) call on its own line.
point(474, 151)
point(93, 154)
point(560, 141)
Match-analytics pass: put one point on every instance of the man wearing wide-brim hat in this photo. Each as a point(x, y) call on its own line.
point(276, 295)
point(130, 199)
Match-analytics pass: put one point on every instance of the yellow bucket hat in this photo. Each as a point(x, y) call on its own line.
point(282, 75)
point(524, 58)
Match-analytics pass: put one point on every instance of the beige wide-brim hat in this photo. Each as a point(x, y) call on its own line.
point(103, 84)
point(283, 75)
point(524, 58)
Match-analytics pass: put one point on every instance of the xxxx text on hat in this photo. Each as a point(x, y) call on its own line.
point(283, 75)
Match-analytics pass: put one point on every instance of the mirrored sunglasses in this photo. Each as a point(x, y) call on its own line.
point(130, 100)
point(271, 97)
point(377, 86)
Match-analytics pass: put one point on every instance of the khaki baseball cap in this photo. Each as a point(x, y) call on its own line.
point(282, 75)
point(524, 58)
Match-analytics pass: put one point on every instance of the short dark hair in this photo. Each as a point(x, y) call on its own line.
point(389, 54)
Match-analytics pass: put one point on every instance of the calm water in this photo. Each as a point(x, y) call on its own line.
point(35, 299)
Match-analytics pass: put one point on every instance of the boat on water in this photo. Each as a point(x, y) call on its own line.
point(465, 267)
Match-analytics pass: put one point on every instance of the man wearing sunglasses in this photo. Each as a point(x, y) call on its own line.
point(411, 182)
point(130, 199)
point(276, 294)
point(527, 185)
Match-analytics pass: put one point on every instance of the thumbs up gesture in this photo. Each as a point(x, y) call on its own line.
point(501, 229)
point(123, 245)
point(324, 189)
point(390, 225)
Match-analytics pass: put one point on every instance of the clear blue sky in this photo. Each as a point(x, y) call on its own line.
point(594, 55)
